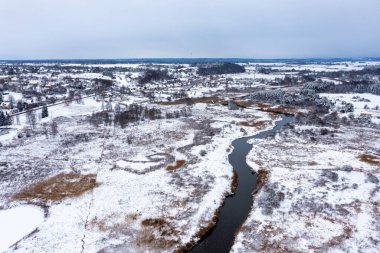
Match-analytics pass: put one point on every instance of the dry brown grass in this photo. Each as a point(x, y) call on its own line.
point(257, 124)
point(58, 187)
point(268, 107)
point(165, 237)
point(234, 182)
point(312, 163)
point(370, 159)
point(271, 243)
point(103, 226)
point(282, 110)
point(262, 179)
point(201, 233)
point(178, 164)
point(244, 104)
point(337, 240)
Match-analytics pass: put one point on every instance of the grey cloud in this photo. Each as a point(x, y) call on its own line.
point(188, 28)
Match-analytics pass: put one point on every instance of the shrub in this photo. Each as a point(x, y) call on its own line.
point(330, 175)
point(203, 152)
point(270, 199)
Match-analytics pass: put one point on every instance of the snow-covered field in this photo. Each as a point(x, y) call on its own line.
point(322, 194)
point(18, 222)
point(137, 204)
point(156, 185)
point(364, 104)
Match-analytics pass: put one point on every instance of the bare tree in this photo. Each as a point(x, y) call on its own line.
point(31, 118)
point(17, 119)
point(54, 128)
point(117, 109)
point(45, 130)
point(11, 100)
point(109, 106)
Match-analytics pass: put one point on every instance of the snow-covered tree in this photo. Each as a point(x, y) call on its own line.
point(45, 112)
point(31, 118)
point(54, 128)
point(2, 118)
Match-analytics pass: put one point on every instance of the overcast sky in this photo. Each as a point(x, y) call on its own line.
point(52, 29)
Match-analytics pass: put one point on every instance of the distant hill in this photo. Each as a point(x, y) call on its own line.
point(205, 69)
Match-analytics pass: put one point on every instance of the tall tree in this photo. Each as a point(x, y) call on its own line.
point(45, 112)
point(11, 100)
point(31, 118)
point(54, 128)
point(2, 119)
point(8, 120)
point(20, 106)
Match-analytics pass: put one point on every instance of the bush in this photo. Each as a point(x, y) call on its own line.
point(306, 98)
point(203, 152)
point(318, 86)
point(347, 108)
point(270, 199)
point(330, 175)
point(372, 179)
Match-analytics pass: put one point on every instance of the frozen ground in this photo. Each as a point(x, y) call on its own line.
point(155, 186)
point(322, 194)
point(18, 222)
point(136, 204)
point(364, 104)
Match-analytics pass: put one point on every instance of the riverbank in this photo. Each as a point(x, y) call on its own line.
point(177, 203)
point(320, 195)
point(236, 208)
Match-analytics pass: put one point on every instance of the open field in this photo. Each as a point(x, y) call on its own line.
point(134, 157)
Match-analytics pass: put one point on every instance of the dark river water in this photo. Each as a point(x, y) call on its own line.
point(237, 207)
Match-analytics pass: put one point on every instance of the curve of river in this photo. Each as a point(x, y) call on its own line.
point(236, 208)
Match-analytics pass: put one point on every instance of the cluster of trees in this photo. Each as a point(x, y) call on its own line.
point(306, 98)
point(184, 112)
point(180, 94)
point(219, 69)
point(356, 88)
point(134, 113)
point(101, 85)
point(317, 117)
point(265, 70)
point(318, 86)
point(5, 119)
point(351, 87)
point(347, 107)
point(153, 75)
point(31, 118)
point(353, 74)
point(44, 113)
point(290, 80)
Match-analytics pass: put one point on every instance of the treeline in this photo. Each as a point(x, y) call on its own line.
point(291, 80)
point(306, 98)
point(351, 87)
point(134, 113)
point(219, 69)
point(153, 75)
point(369, 71)
point(5, 119)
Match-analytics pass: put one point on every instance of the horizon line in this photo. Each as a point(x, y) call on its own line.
point(193, 59)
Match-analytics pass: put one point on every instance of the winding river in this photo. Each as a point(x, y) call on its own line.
point(236, 207)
